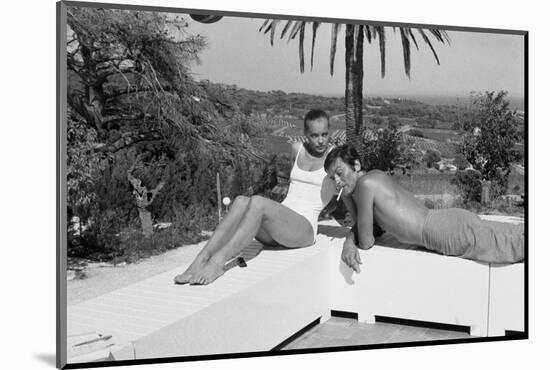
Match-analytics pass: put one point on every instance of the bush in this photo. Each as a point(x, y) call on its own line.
point(415, 132)
point(460, 162)
point(186, 229)
point(489, 145)
point(469, 185)
point(432, 157)
point(274, 180)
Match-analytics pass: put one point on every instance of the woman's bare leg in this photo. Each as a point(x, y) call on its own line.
point(262, 217)
point(221, 236)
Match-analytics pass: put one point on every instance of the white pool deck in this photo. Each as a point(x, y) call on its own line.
point(283, 290)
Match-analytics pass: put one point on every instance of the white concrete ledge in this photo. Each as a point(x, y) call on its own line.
point(414, 285)
point(283, 290)
point(250, 309)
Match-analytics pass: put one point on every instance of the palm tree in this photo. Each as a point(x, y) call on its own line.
point(355, 35)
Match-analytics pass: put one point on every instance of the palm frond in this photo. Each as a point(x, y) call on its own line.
point(314, 27)
point(440, 35)
point(406, 44)
point(368, 34)
point(446, 36)
point(273, 27)
point(333, 43)
point(382, 43)
point(295, 30)
point(301, 46)
point(286, 28)
point(427, 41)
point(410, 34)
point(264, 24)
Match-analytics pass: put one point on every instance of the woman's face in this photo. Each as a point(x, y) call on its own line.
point(344, 175)
point(317, 135)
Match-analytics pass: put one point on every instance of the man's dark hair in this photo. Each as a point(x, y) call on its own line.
point(313, 115)
point(345, 152)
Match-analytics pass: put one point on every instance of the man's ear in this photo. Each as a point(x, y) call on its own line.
point(357, 165)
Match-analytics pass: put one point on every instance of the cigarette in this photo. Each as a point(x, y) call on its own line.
point(339, 194)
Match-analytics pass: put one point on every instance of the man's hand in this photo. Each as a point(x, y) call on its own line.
point(350, 255)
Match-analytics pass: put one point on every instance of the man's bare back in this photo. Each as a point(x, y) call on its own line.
point(394, 208)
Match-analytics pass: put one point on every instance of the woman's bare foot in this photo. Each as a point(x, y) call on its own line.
point(210, 272)
point(198, 264)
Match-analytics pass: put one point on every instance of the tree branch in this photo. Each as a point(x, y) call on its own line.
point(127, 139)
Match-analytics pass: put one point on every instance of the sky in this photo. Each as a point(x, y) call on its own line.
point(238, 54)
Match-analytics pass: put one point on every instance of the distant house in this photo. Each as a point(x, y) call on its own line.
point(444, 165)
point(477, 131)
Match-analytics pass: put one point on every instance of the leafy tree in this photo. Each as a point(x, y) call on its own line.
point(84, 165)
point(386, 149)
point(461, 162)
point(133, 105)
point(394, 121)
point(432, 157)
point(377, 120)
point(469, 185)
point(490, 146)
point(416, 133)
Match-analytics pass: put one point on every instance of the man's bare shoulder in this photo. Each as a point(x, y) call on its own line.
point(373, 178)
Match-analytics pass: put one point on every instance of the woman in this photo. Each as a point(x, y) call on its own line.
point(292, 223)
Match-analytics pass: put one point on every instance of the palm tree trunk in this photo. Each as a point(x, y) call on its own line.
point(354, 86)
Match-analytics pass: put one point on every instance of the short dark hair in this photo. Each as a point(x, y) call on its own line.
point(345, 152)
point(313, 115)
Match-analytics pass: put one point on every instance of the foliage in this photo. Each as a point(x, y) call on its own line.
point(84, 166)
point(469, 185)
point(489, 147)
point(415, 132)
point(377, 120)
point(460, 162)
point(386, 149)
point(133, 104)
point(275, 177)
point(432, 157)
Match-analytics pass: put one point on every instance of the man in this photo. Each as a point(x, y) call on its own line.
point(292, 223)
point(374, 195)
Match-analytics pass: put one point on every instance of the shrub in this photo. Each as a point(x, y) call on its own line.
point(415, 132)
point(186, 229)
point(460, 162)
point(432, 157)
point(489, 144)
point(469, 185)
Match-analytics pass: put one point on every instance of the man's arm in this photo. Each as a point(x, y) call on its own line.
point(364, 200)
point(350, 254)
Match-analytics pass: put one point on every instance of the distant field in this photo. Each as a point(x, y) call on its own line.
point(431, 182)
point(422, 181)
point(427, 182)
point(438, 134)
